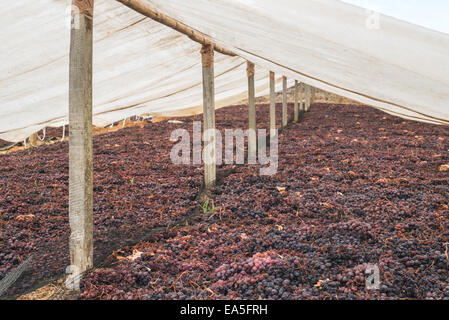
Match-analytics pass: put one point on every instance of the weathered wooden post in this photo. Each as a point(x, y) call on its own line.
point(307, 97)
point(209, 153)
point(33, 139)
point(284, 102)
point(272, 105)
point(301, 98)
point(80, 140)
point(252, 138)
point(296, 108)
point(313, 93)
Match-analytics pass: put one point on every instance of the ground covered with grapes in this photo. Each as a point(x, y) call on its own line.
point(355, 190)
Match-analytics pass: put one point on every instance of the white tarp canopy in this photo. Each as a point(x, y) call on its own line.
point(143, 67)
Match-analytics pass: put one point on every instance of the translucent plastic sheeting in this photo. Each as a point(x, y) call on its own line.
point(142, 67)
point(393, 65)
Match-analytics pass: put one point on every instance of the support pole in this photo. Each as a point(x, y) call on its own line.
point(312, 99)
point(252, 138)
point(301, 98)
point(209, 154)
point(284, 102)
point(296, 112)
point(272, 105)
point(308, 97)
point(80, 140)
point(33, 139)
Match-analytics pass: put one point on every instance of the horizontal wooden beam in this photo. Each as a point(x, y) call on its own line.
point(143, 8)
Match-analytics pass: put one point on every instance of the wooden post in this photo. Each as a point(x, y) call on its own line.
point(33, 139)
point(252, 138)
point(209, 155)
point(301, 98)
point(296, 112)
point(284, 102)
point(312, 99)
point(80, 139)
point(307, 97)
point(272, 105)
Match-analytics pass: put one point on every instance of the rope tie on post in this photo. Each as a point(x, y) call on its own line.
point(85, 7)
point(44, 132)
